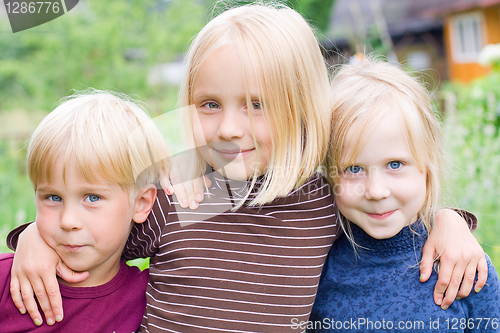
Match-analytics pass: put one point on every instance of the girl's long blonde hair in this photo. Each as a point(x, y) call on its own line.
point(292, 79)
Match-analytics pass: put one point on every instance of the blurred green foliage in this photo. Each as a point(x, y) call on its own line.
point(317, 11)
point(16, 194)
point(471, 130)
point(100, 44)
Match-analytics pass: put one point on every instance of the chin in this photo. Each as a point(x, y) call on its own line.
point(235, 172)
point(382, 234)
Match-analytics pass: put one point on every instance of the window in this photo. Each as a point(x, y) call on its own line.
point(467, 37)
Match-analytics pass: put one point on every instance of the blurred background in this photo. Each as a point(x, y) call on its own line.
point(137, 47)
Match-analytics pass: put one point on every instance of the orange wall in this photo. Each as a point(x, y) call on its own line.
point(466, 72)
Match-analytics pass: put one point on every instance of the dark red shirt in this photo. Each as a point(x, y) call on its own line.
point(116, 306)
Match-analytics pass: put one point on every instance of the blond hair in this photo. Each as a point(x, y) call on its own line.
point(292, 80)
point(108, 135)
point(367, 91)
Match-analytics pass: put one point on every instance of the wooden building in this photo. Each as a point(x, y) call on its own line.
point(469, 25)
point(442, 38)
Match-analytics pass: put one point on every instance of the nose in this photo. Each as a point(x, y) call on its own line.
point(70, 219)
point(376, 186)
point(232, 124)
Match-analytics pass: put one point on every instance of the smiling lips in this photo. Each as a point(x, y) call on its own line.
point(380, 216)
point(231, 154)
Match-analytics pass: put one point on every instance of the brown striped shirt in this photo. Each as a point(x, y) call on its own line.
point(252, 270)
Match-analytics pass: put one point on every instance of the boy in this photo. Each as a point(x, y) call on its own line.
point(92, 165)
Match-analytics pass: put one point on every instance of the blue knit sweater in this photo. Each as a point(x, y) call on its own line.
point(380, 291)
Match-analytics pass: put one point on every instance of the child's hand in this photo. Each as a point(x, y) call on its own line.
point(188, 192)
point(460, 256)
point(34, 270)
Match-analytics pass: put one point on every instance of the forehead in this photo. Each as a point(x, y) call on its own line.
point(375, 138)
point(224, 65)
point(68, 169)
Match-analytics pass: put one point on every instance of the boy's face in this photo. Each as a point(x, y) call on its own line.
point(87, 224)
point(383, 191)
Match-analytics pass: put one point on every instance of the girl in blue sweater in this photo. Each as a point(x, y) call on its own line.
point(385, 169)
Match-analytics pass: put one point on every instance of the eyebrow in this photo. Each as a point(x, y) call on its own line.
point(204, 95)
point(86, 189)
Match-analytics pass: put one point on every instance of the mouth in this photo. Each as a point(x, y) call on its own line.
point(73, 248)
point(232, 154)
point(381, 216)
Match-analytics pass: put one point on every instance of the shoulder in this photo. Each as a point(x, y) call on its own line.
point(5, 267)
point(487, 301)
point(6, 260)
point(493, 282)
point(162, 203)
point(135, 276)
point(317, 180)
point(314, 193)
point(316, 186)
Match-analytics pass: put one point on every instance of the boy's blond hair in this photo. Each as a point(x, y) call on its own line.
point(367, 91)
point(293, 81)
point(108, 135)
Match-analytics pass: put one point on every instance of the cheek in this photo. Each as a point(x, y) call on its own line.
point(201, 135)
point(204, 128)
point(47, 223)
point(347, 194)
point(416, 189)
point(263, 134)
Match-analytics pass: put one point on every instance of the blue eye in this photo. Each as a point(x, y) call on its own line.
point(256, 105)
point(211, 105)
point(92, 198)
point(354, 169)
point(54, 198)
point(394, 165)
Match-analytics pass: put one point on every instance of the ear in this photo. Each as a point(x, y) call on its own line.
point(144, 203)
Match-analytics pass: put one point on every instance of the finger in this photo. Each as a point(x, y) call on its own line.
point(166, 185)
point(199, 188)
point(444, 277)
point(452, 290)
point(29, 302)
point(468, 281)
point(482, 274)
point(207, 181)
point(179, 188)
point(15, 292)
point(54, 294)
point(69, 275)
point(428, 258)
point(50, 290)
point(190, 191)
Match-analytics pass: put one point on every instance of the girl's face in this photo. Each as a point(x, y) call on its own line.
point(221, 123)
point(383, 191)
